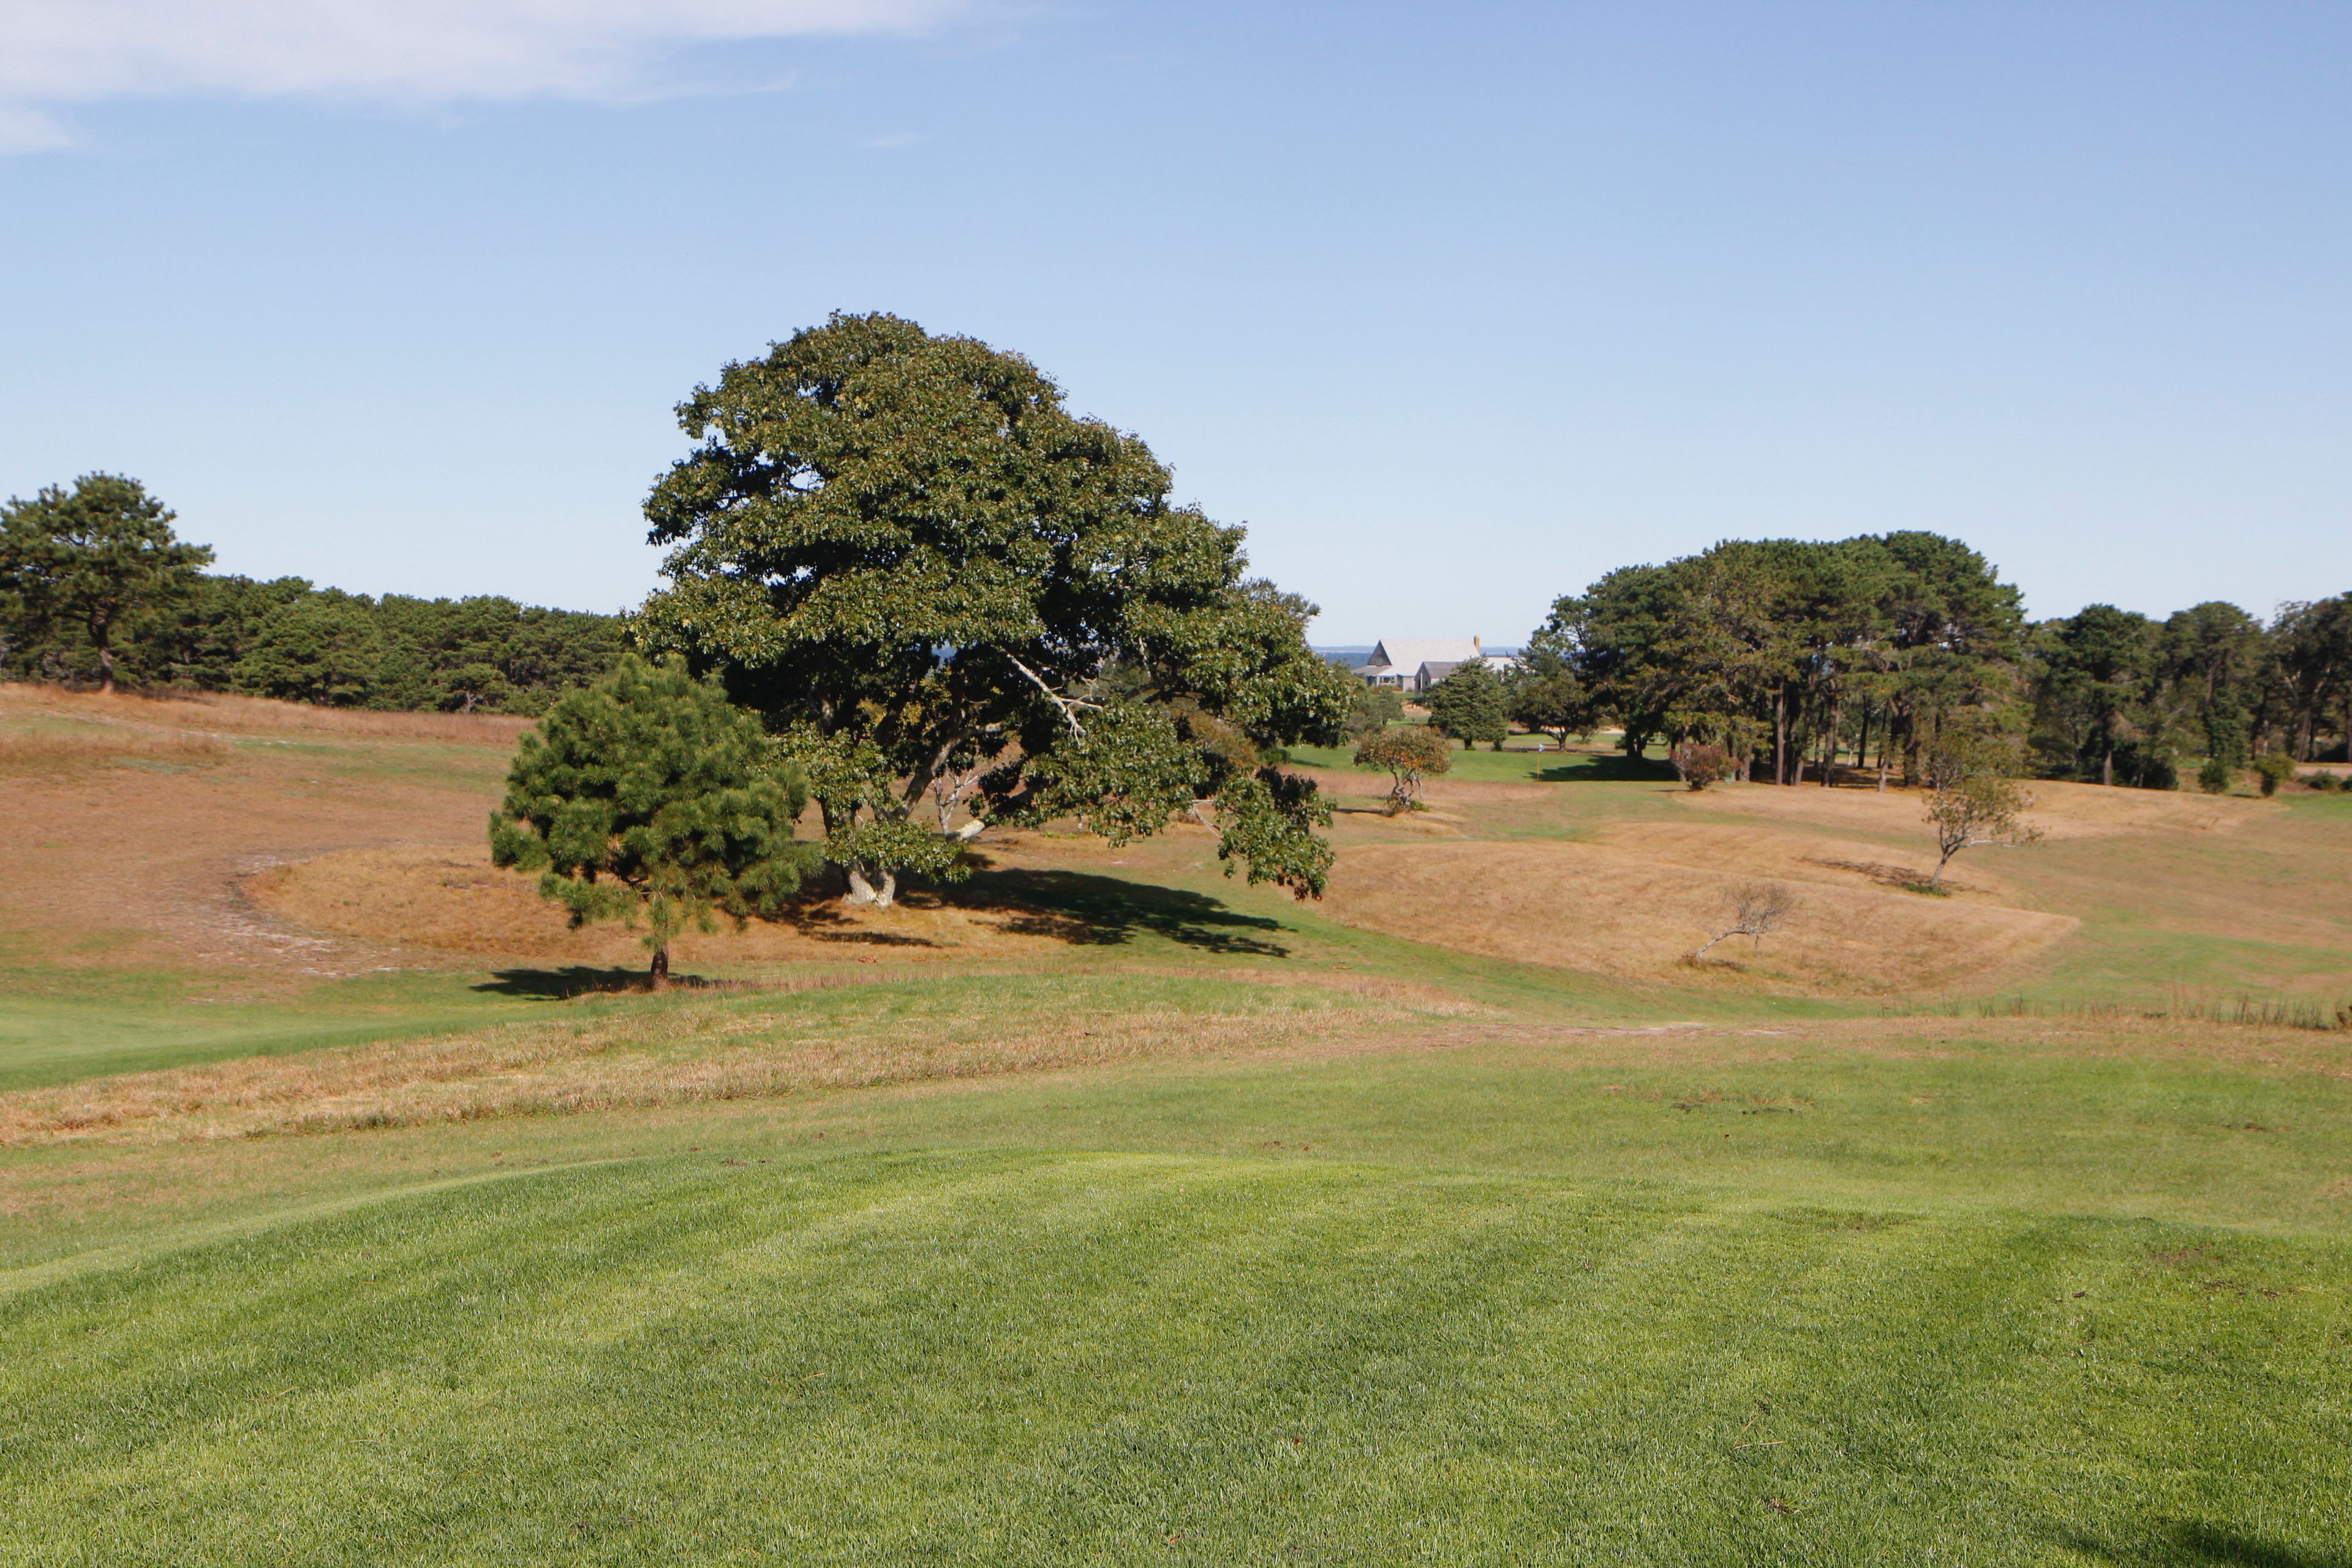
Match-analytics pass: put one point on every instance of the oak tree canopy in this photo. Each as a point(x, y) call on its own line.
point(945, 592)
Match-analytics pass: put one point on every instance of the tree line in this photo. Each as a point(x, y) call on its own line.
point(1794, 658)
point(97, 589)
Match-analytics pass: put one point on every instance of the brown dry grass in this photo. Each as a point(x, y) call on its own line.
point(2061, 810)
point(450, 898)
point(1744, 849)
point(212, 710)
point(114, 866)
point(691, 1054)
point(1612, 909)
point(58, 749)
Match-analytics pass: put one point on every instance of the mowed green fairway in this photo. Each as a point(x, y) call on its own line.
point(1524, 1311)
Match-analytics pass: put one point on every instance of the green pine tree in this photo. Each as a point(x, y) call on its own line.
point(1472, 705)
point(96, 558)
point(650, 795)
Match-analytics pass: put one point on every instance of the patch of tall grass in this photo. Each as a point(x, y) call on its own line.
point(2181, 1005)
point(62, 750)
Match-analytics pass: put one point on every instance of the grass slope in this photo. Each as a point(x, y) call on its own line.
point(1615, 1299)
point(1029, 1357)
point(1174, 1223)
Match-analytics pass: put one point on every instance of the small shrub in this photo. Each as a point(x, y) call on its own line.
point(2216, 776)
point(2319, 781)
point(1698, 764)
point(2274, 771)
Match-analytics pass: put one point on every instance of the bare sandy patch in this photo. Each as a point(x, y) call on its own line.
point(1610, 909)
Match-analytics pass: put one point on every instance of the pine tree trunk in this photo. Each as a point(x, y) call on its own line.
point(101, 637)
point(661, 969)
point(1781, 736)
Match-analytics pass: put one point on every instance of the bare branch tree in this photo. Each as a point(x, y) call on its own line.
point(1758, 909)
point(1972, 803)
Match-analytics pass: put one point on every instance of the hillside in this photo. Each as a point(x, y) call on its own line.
point(1103, 1210)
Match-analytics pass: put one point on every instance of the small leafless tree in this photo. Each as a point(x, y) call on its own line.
point(1972, 802)
point(1758, 909)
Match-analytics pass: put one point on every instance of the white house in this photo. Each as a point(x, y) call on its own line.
point(1416, 664)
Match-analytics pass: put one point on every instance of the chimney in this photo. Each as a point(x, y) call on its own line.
point(1478, 647)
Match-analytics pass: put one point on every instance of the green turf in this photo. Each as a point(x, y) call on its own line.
point(1520, 762)
point(1518, 1306)
point(62, 1026)
point(1023, 1357)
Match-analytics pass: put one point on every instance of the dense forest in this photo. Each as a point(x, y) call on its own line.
point(95, 589)
point(1791, 655)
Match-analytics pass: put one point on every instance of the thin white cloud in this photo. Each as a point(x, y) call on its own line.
point(55, 53)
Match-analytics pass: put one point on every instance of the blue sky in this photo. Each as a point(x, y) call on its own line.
point(1456, 307)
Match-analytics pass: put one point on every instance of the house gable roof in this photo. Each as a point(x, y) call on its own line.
point(1412, 653)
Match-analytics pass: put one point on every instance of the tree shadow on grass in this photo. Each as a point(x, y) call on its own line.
point(1599, 768)
point(822, 923)
point(2210, 1546)
point(580, 980)
point(1104, 911)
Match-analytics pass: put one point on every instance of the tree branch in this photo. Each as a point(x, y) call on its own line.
point(1068, 706)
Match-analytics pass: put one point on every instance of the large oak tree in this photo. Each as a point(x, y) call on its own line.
point(946, 592)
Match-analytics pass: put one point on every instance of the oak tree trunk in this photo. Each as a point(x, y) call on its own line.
point(865, 890)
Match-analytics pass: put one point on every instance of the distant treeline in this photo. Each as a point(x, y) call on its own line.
point(287, 638)
point(96, 588)
point(1862, 652)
